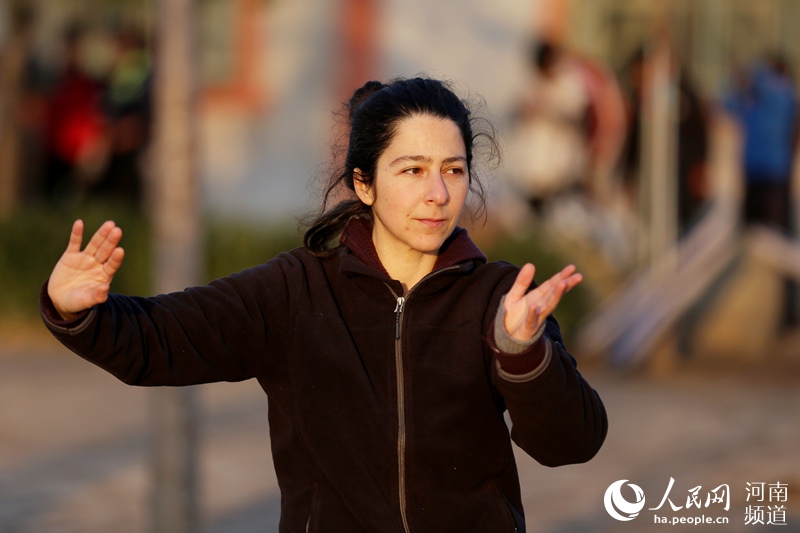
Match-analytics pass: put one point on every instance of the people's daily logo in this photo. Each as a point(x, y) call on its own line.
point(619, 507)
point(766, 503)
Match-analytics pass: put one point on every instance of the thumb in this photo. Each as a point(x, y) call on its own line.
point(75, 237)
point(522, 283)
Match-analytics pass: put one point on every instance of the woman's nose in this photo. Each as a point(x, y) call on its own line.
point(436, 191)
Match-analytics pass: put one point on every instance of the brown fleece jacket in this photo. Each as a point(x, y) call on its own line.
point(385, 410)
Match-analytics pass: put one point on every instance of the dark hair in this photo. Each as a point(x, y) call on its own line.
point(373, 114)
point(544, 55)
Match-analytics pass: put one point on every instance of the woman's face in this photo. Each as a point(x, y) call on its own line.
point(420, 187)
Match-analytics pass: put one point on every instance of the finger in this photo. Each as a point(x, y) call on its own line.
point(550, 300)
point(543, 299)
point(532, 320)
point(75, 237)
point(111, 266)
point(565, 285)
point(109, 245)
point(99, 237)
point(101, 293)
point(565, 274)
point(573, 281)
point(522, 283)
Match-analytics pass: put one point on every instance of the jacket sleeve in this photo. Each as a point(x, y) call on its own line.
point(227, 330)
point(557, 417)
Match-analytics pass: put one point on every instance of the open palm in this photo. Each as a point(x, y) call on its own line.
point(526, 311)
point(81, 279)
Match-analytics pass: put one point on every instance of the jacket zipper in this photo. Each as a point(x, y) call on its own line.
point(401, 398)
point(398, 310)
point(401, 410)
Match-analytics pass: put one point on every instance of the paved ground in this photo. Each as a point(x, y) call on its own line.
point(73, 450)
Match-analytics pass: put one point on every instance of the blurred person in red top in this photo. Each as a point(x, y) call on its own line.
point(126, 104)
point(75, 127)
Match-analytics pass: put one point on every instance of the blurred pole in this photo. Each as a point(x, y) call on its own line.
point(791, 10)
point(714, 48)
point(5, 12)
point(15, 34)
point(659, 152)
point(177, 257)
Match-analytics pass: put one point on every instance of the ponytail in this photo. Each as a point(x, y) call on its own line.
point(329, 224)
point(361, 94)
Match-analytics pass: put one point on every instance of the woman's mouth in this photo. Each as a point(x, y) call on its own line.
point(432, 223)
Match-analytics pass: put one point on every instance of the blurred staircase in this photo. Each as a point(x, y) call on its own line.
point(717, 293)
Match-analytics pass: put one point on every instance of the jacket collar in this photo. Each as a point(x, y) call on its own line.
point(457, 249)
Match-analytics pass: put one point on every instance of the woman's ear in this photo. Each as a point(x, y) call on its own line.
point(363, 189)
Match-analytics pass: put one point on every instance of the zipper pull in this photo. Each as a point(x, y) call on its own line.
point(398, 310)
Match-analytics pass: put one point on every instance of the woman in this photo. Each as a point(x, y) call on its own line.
point(388, 359)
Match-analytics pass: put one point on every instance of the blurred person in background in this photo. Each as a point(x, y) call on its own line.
point(388, 346)
point(606, 128)
point(548, 154)
point(566, 136)
point(126, 105)
point(764, 101)
point(692, 137)
point(693, 152)
point(76, 137)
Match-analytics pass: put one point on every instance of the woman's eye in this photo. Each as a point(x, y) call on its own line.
point(412, 170)
point(455, 170)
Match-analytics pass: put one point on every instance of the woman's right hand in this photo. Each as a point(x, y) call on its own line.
point(82, 279)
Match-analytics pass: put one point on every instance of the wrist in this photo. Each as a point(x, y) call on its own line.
point(518, 360)
point(507, 342)
point(53, 313)
point(66, 315)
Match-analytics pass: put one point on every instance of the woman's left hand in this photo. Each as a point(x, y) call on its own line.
point(526, 311)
